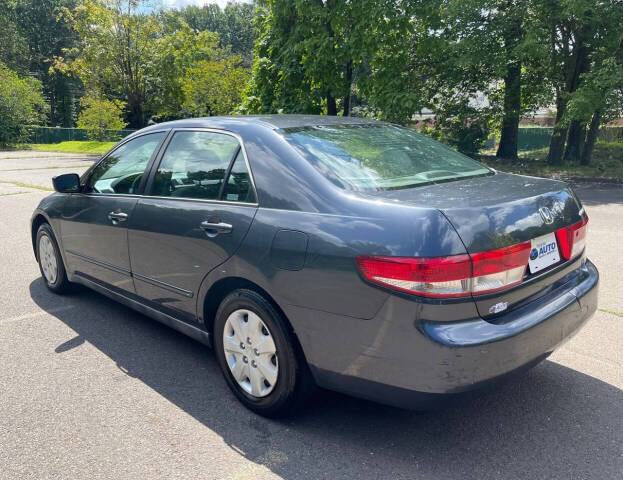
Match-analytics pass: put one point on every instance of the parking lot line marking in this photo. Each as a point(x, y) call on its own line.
point(28, 316)
point(27, 185)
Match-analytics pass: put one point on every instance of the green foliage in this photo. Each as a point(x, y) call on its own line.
point(462, 128)
point(214, 87)
point(149, 61)
point(234, 25)
point(21, 105)
point(583, 41)
point(174, 55)
point(99, 115)
point(11, 39)
point(279, 83)
point(601, 88)
point(116, 52)
point(32, 35)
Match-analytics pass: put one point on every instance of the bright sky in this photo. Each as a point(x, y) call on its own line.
point(183, 3)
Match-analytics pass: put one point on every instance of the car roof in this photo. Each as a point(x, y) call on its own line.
point(274, 122)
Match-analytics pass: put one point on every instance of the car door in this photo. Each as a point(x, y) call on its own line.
point(94, 221)
point(197, 208)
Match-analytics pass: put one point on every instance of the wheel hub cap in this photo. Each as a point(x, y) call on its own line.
point(250, 353)
point(47, 259)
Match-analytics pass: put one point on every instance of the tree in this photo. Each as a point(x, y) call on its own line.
point(311, 54)
point(32, 34)
point(21, 106)
point(598, 99)
point(144, 59)
point(278, 82)
point(234, 25)
point(174, 55)
point(99, 115)
point(483, 50)
point(214, 87)
point(117, 49)
point(579, 34)
point(11, 39)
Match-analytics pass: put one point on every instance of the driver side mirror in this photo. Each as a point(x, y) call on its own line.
point(67, 183)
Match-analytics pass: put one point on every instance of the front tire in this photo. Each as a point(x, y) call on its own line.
point(258, 355)
point(50, 261)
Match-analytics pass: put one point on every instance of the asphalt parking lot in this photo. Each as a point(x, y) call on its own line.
point(90, 389)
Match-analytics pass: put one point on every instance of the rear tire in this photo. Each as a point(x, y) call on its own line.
point(50, 261)
point(259, 356)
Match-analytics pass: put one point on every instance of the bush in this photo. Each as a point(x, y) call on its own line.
point(21, 105)
point(99, 115)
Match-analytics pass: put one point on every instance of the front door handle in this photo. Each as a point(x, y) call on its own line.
point(116, 217)
point(214, 228)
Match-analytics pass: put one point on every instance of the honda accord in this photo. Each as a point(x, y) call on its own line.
point(346, 253)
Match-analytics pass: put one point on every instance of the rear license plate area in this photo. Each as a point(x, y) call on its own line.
point(544, 253)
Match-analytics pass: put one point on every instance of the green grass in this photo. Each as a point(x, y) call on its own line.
point(607, 163)
point(89, 146)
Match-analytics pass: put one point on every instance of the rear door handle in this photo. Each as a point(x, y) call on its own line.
point(215, 228)
point(116, 217)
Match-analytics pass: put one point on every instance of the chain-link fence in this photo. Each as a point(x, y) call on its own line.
point(58, 134)
point(535, 138)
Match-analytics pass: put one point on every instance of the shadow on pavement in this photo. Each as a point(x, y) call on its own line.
point(552, 422)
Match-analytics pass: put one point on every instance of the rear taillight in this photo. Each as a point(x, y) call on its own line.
point(453, 276)
point(572, 239)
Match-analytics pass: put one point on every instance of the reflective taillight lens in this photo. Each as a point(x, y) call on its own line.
point(572, 239)
point(452, 276)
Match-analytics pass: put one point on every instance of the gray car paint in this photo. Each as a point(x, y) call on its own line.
point(299, 243)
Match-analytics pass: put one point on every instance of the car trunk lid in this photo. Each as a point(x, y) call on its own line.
point(497, 211)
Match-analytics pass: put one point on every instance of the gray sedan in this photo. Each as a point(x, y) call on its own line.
point(310, 251)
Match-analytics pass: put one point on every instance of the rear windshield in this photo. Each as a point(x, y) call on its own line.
point(380, 156)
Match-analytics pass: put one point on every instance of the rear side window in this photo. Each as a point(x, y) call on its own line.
point(238, 187)
point(195, 165)
point(121, 171)
point(379, 156)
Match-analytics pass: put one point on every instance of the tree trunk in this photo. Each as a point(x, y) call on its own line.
point(512, 107)
point(574, 77)
point(575, 141)
point(513, 33)
point(137, 116)
point(331, 104)
point(557, 142)
point(591, 138)
point(349, 82)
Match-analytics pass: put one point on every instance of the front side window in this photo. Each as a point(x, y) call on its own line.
point(380, 156)
point(195, 165)
point(121, 171)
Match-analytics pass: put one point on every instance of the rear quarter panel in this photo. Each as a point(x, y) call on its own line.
point(328, 279)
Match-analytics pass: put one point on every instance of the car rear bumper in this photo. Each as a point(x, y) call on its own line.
point(408, 362)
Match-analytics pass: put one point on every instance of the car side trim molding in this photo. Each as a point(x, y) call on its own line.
point(177, 199)
point(125, 271)
point(101, 263)
point(166, 286)
point(195, 333)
